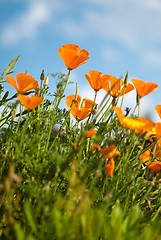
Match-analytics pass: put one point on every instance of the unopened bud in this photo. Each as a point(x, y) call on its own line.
point(42, 75)
point(46, 82)
point(126, 79)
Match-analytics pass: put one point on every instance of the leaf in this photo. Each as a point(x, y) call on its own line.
point(9, 67)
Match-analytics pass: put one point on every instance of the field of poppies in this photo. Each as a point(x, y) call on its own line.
point(89, 171)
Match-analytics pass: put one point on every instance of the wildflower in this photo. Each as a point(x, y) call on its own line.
point(79, 113)
point(96, 79)
point(90, 133)
point(109, 168)
point(75, 147)
point(96, 146)
point(110, 152)
point(30, 102)
point(139, 125)
point(24, 83)
point(116, 87)
point(154, 164)
point(72, 56)
point(144, 88)
point(46, 82)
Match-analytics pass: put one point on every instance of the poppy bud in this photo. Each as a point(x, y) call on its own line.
point(46, 82)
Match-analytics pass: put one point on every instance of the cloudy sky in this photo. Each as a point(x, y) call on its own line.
point(120, 35)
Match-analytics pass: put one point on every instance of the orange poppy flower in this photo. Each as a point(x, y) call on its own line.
point(72, 56)
point(96, 79)
point(78, 112)
point(109, 168)
point(75, 147)
point(115, 87)
point(110, 152)
point(96, 146)
point(154, 164)
point(144, 88)
point(90, 133)
point(140, 125)
point(30, 102)
point(24, 83)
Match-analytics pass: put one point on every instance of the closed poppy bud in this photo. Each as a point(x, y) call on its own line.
point(46, 82)
point(90, 133)
point(126, 79)
point(109, 168)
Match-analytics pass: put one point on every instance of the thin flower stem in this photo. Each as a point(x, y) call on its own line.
point(87, 146)
point(122, 100)
point(24, 130)
point(20, 117)
point(54, 111)
point(95, 96)
point(103, 109)
point(138, 110)
point(73, 103)
point(134, 109)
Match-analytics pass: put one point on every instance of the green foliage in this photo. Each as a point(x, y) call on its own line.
point(49, 190)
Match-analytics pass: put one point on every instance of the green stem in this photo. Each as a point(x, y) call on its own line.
point(134, 109)
point(92, 107)
point(19, 120)
point(24, 131)
point(55, 109)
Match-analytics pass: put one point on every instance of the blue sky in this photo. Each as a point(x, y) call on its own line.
point(120, 35)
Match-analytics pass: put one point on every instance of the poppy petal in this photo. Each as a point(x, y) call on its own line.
point(30, 102)
point(109, 168)
point(158, 109)
point(26, 82)
point(144, 88)
point(71, 55)
point(12, 82)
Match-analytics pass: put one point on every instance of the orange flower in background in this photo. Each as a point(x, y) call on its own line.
point(154, 164)
point(96, 79)
point(75, 147)
point(30, 102)
point(79, 113)
point(139, 125)
point(158, 109)
point(71, 99)
point(90, 133)
point(144, 88)
point(24, 83)
point(115, 87)
point(110, 152)
point(96, 146)
point(72, 56)
point(109, 168)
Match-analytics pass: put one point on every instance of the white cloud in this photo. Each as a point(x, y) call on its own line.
point(111, 54)
point(134, 24)
point(152, 58)
point(27, 25)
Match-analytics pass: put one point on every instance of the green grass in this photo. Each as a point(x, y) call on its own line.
point(49, 191)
